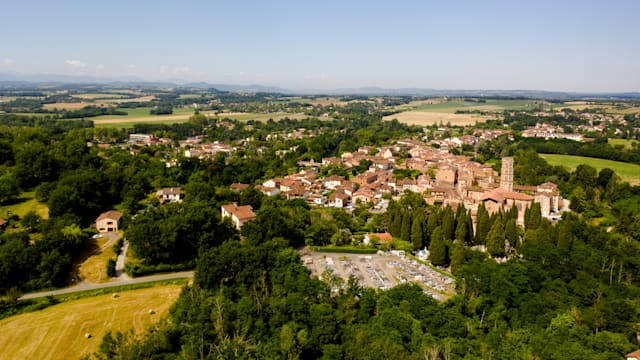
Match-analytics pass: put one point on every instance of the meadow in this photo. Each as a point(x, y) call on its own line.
point(22, 205)
point(58, 332)
point(624, 142)
point(627, 172)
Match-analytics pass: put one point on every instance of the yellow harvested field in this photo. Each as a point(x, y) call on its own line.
point(90, 96)
point(58, 332)
point(69, 106)
point(143, 119)
point(424, 118)
point(138, 99)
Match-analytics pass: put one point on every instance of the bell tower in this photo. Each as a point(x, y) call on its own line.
point(506, 176)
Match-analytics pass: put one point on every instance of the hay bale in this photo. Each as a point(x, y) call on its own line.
point(151, 312)
point(115, 296)
point(87, 335)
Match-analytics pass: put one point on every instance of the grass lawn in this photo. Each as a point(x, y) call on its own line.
point(22, 205)
point(624, 142)
point(627, 172)
point(57, 332)
point(94, 269)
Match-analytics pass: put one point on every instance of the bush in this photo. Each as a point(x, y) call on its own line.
point(136, 270)
point(111, 268)
point(346, 250)
point(117, 248)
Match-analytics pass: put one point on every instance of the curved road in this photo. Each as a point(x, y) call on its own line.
point(88, 286)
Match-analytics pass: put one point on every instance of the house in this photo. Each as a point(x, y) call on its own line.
point(634, 355)
point(108, 221)
point(332, 182)
point(239, 187)
point(267, 190)
point(363, 196)
point(238, 214)
point(172, 194)
point(3, 223)
point(380, 237)
point(338, 199)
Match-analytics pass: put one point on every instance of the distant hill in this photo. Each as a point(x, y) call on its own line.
point(20, 81)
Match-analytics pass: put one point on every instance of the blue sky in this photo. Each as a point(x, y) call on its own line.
point(547, 45)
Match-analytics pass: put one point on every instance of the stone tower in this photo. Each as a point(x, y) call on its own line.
point(506, 176)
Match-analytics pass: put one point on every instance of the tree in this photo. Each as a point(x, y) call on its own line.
point(578, 199)
point(461, 227)
point(458, 257)
point(533, 216)
point(495, 239)
point(405, 233)
point(448, 224)
point(111, 267)
point(432, 224)
point(438, 248)
point(483, 225)
point(511, 233)
point(9, 187)
point(417, 234)
point(395, 227)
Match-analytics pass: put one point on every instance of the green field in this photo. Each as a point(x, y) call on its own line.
point(22, 205)
point(624, 142)
point(58, 332)
point(490, 105)
point(142, 112)
point(627, 172)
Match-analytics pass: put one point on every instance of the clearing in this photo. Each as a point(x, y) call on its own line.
point(23, 204)
point(627, 172)
point(624, 142)
point(58, 332)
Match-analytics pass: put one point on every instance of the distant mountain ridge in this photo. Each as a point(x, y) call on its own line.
point(20, 81)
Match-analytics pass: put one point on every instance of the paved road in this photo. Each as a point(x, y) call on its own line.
point(87, 286)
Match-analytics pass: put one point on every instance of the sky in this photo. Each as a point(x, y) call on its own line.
point(560, 45)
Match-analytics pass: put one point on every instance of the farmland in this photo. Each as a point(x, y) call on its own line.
point(488, 105)
point(141, 115)
point(627, 172)
point(442, 110)
point(426, 118)
point(58, 332)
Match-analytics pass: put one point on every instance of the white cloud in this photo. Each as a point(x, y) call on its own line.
point(7, 61)
point(76, 64)
point(100, 67)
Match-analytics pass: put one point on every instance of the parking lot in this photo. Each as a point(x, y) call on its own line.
point(382, 271)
